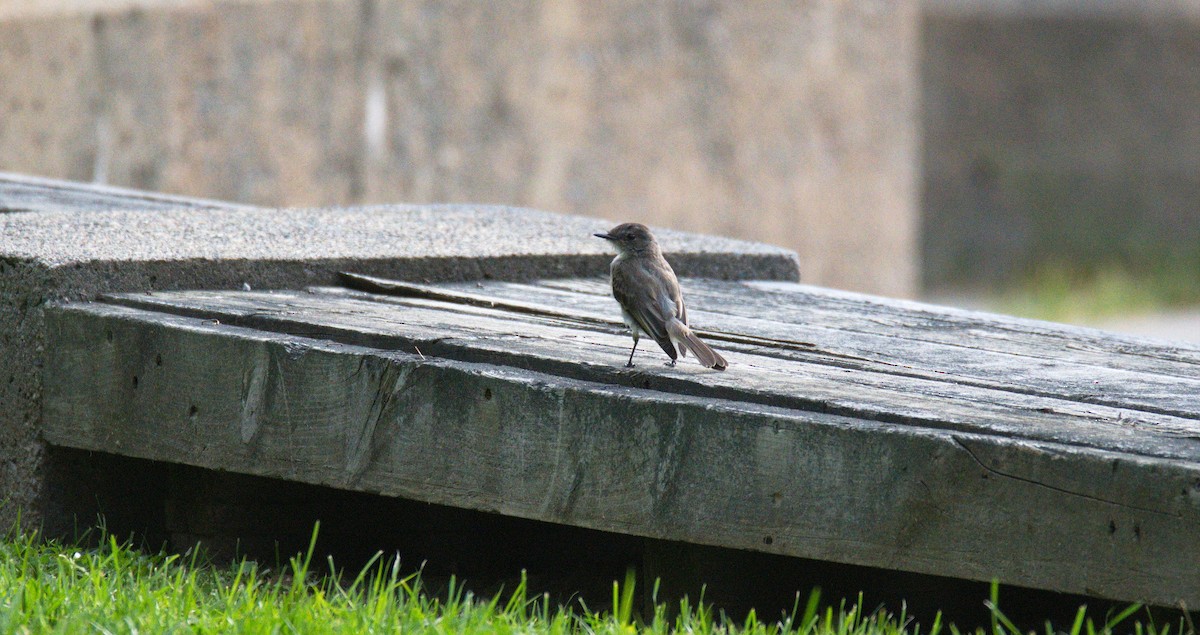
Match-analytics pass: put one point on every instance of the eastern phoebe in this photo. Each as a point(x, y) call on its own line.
point(646, 288)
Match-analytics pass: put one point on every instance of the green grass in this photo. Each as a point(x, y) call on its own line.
point(1066, 292)
point(49, 587)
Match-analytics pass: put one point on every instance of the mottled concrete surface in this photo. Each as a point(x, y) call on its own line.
point(386, 232)
point(1060, 133)
point(790, 123)
point(102, 239)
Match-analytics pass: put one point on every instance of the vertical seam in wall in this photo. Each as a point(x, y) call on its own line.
point(101, 106)
point(364, 67)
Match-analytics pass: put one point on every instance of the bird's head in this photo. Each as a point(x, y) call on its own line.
point(630, 238)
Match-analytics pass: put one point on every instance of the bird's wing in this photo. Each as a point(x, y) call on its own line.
point(641, 295)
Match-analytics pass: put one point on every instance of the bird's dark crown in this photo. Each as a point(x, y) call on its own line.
point(629, 236)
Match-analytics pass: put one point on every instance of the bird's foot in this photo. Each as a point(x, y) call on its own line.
point(629, 365)
point(671, 364)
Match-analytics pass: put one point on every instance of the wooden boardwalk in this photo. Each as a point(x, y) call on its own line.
point(848, 428)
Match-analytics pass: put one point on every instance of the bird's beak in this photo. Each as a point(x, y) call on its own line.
point(604, 236)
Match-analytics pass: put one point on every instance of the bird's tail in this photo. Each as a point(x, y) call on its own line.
point(685, 340)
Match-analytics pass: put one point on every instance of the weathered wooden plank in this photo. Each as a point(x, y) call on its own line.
point(804, 304)
point(597, 354)
point(23, 193)
point(646, 462)
point(953, 346)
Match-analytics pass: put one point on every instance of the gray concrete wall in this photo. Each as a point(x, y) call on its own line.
point(1062, 132)
point(792, 123)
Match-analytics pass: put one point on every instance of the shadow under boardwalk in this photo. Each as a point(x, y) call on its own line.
point(848, 429)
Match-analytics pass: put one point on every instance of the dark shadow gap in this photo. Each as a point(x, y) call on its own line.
point(268, 520)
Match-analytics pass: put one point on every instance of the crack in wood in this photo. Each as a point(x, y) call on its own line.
point(991, 470)
point(392, 379)
point(254, 392)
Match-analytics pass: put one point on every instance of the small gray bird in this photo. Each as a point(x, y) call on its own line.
point(646, 288)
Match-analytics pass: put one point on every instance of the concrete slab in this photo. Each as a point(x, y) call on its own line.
point(389, 232)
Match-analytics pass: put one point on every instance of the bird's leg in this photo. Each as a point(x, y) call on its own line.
point(629, 364)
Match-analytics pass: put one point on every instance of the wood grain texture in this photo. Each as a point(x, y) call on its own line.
point(895, 447)
point(819, 382)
